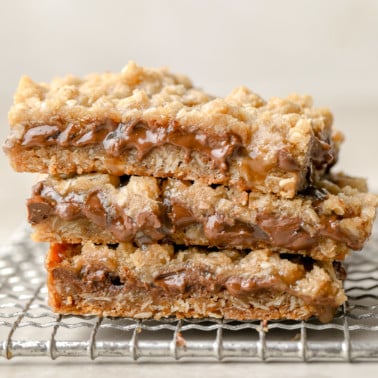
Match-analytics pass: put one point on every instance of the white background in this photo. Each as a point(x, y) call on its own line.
point(326, 48)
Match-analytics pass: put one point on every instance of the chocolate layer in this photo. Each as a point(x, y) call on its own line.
point(117, 137)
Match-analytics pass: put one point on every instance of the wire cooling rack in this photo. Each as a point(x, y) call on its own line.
point(29, 328)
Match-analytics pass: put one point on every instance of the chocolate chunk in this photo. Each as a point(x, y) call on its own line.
point(94, 210)
point(232, 233)
point(69, 134)
point(286, 232)
point(181, 216)
point(38, 210)
point(240, 286)
point(148, 228)
point(172, 281)
point(41, 136)
point(96, 134)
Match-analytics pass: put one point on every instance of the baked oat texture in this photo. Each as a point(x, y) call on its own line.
point(78, 125)
point(156, 282)
point(323, 223)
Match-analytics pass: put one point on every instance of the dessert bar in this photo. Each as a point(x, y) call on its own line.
point(150, 122)
point(158, 281)
point(321, 222)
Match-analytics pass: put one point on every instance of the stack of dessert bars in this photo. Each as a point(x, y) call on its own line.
point(160, 200)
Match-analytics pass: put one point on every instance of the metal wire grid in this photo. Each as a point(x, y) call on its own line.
point(29, 328)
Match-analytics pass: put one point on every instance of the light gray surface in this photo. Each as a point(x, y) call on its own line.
point(326, 48)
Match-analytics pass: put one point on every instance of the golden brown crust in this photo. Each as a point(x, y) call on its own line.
point(156, 282)
point(276, 143)
point(107, 209)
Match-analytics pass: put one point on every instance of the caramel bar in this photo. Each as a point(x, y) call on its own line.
point(321, 222)
point(156, 281)
point(151, 122)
